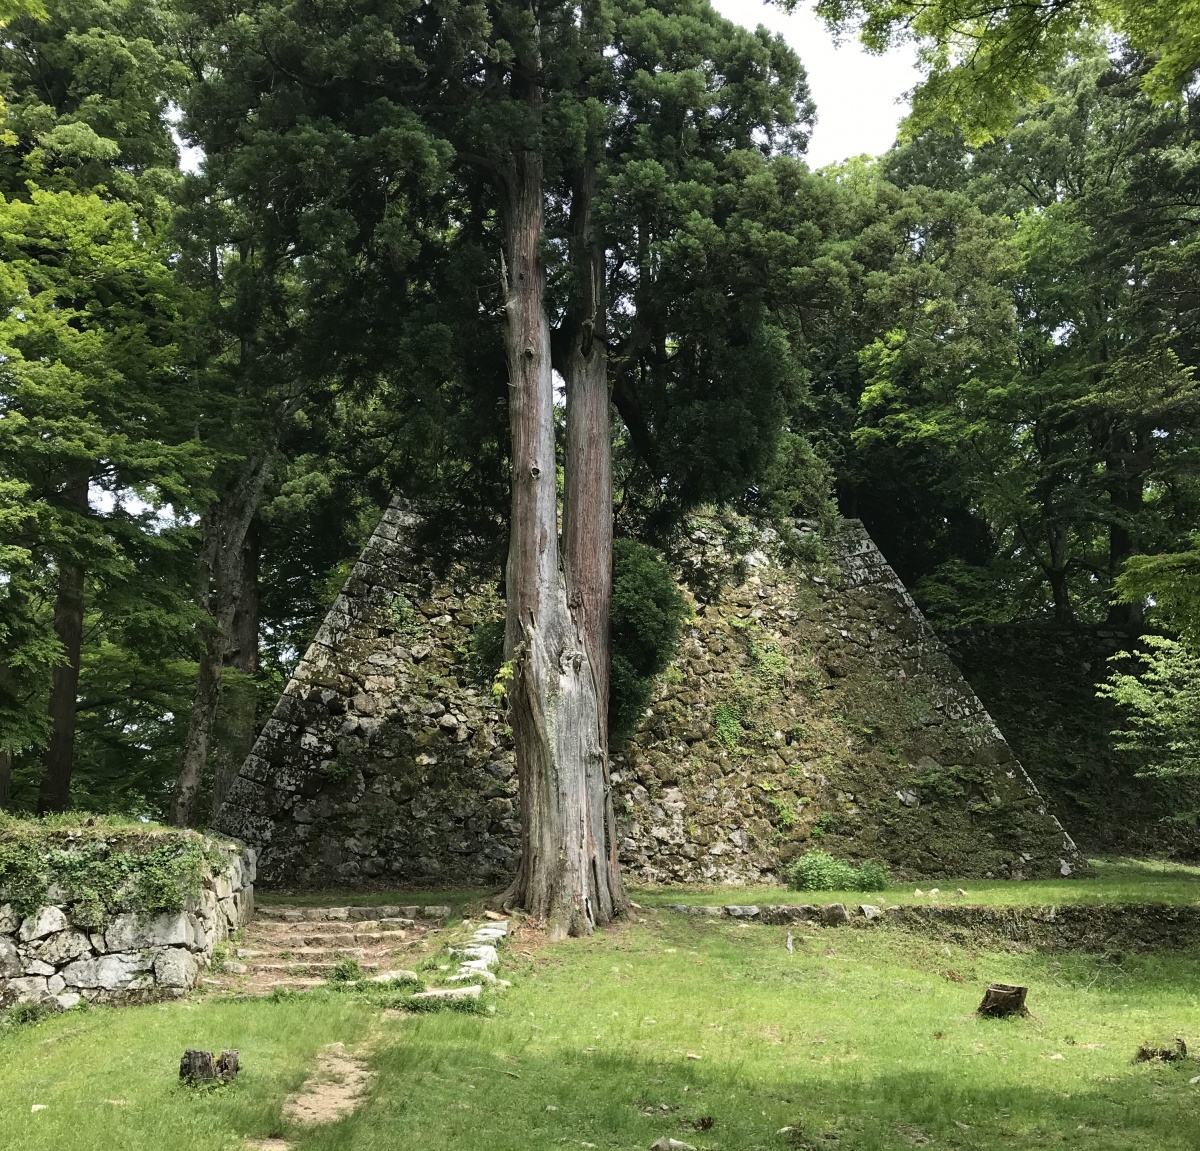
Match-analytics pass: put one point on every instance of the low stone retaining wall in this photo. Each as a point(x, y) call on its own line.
point(1064, 927)
point(71, 947)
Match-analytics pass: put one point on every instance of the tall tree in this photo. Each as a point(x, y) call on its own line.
point(97, 405)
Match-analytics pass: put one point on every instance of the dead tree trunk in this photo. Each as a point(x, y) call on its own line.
point(588, 500)
point(563, 878)
point(225, 527)
point(59, 759)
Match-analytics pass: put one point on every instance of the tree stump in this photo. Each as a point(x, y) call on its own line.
point(1003, 999)
point(204, 1067)
point(1165, 1053)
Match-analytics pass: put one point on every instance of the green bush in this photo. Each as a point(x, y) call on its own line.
point(346, 970)
point(820, 871)
point(647, 613)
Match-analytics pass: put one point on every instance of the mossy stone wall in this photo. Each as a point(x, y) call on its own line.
point(107, 912)
point(810, 704)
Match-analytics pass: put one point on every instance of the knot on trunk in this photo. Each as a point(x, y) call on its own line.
point(570, 661)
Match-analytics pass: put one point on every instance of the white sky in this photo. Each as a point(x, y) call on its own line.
point(859, 97)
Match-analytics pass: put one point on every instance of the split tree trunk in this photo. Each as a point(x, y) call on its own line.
point(59, 758)
point(225, 528)
point(563, 878)
point(588, 501)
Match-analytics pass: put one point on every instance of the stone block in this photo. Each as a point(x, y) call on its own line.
point(834, 915)
point(113, 972)
point(9, 919)
point(175, 967)
point(736, 911)
point(129, 931)
point(45, 921)
point(10, 959)
point(27, 989)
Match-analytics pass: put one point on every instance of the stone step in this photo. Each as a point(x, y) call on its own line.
point(321, 931)
point(252, 986)
point(332, 938)
point(289, 914)
point(316, 968)
point(305, 954)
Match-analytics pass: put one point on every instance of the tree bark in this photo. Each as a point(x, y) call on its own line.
point(238, 706)
point(221, 564)
point(588, 496)
point(1127, 496)
point(59, 758)
point(563, 877)
point(1056, 573)
point(1003, 999)
point(6, 761)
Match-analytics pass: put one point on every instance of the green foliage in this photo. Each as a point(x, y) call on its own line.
point(727, 722)
point(487, 650)
point(1171, 583)
point(1160, 699)
point(984, 62)
point(346, 970)
point(820, 871)
point(828, 823)
point(785, 811)
point(648, 611)
point(99, 866)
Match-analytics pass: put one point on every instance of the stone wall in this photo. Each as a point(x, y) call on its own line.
point(810, 705)
point(1040, 684)
point(58, 955)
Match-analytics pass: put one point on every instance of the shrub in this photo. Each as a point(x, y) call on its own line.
point(346, 971)
point(647, 613)
point(873, 875)
point(820, 871)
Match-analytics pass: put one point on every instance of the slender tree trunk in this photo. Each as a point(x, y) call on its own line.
point(1127, 495)
point(588, 500)
point(59, 758)
point(6, 755)
point(6, 762)
point(221, 562)
point(563, 878)
point(239, 704)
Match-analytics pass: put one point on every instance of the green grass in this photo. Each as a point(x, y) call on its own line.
point(1114, 881)
point(863, 1040)
point(109, 1078)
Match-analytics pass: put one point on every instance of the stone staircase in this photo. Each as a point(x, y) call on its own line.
point(298, 947)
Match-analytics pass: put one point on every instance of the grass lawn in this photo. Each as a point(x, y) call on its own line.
point(859, 1041)
point(1113, 881)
